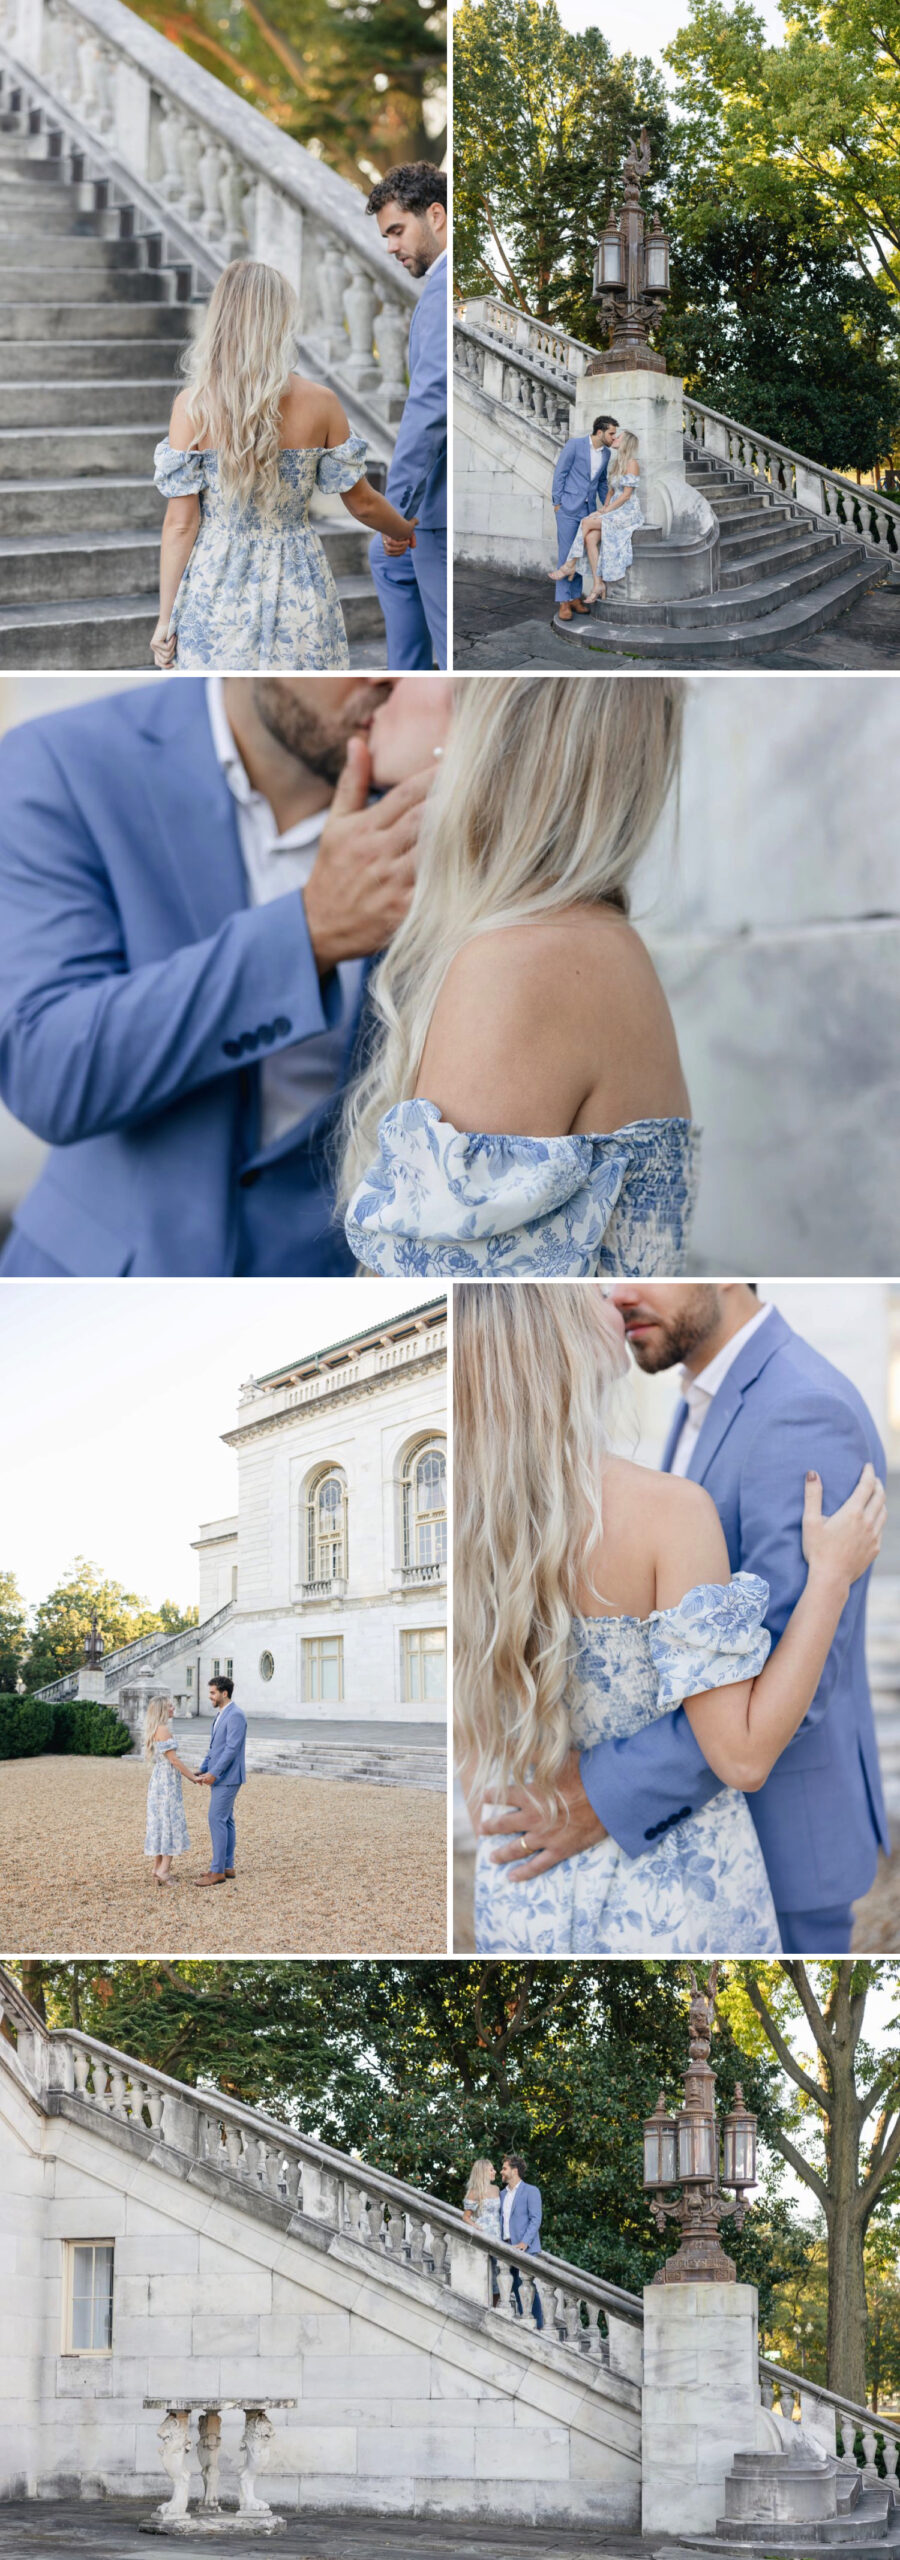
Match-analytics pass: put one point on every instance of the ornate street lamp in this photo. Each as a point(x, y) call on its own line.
point(683, 2150)
point(93, 1644)
point(631, 274)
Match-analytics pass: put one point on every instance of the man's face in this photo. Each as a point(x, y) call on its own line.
point(509, 2175)
point(216, 1697)
point(665, 1323)
point(312, 718)
point(414, 238)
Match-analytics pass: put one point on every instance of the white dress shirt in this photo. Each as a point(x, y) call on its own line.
point(699, 1392)
point(506, 2197)
point(297, 1080)
point(595, 457)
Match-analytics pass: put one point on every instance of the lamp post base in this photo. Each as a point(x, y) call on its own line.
point(627, 359)
point(700, 2260)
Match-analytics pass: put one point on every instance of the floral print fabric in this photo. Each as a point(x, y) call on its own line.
point(167, 1834)
point(440, 1201)
point(702, 1885)
point(257, 590)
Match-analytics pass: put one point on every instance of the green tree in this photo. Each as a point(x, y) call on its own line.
point(13, 1633)
point(360, 82)
point(62, 1621)
point(843, 2137)
point(541, 122)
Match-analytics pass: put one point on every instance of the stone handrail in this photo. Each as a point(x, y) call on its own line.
point(513, 379)
point(829, 2413)
point(225, 182)
point(160, 1645)
point(861, 514)
point(551, 349)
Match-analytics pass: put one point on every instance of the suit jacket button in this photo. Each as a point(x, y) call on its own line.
point(247, 1180)
point(266, 1034)
point(232, 1048)
point(281, 1026)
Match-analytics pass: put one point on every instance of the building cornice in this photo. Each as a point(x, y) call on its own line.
point(330, 1393)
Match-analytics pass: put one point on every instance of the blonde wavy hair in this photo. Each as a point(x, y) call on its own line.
point(481, 2180)
point(237, 372)
point(546, 796)
point(158, 1711)
point(533, 1365)
point(622, 453)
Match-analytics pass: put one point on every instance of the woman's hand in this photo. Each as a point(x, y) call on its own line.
point(396, 544)
point(844, 1546)
point(162, 647)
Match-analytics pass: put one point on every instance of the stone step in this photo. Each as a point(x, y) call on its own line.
point(51, 568)
point(45, 281)
point(773, 533)
point(80, 253)
point(72, 452)
point(114, 631)
point(103, 402)
point(358, 1764)
point(786, 559)
point(78, 320)
point(113, 505)
point(91, 360)
point(670, 642)
point(746, 507)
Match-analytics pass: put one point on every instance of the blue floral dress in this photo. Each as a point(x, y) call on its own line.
point(703, 1886)
point(167, 1833)
point(257, 590)
point(617, 530)
point(440, 1201)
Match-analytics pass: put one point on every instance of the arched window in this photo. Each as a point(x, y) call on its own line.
point(326, 1529)
point(425, 1507)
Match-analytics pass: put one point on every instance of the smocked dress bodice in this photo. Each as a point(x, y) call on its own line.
point(702, 1885)
point(442, 1201)
point(257, 590)
point(167, 1834)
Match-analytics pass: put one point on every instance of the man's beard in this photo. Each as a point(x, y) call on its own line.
point(424, 256)
point(678, 1335)
point(317, 739)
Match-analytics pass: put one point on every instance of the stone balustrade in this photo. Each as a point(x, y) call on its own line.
point(552, 350)
point(516, 380)
point(223, 182)
point(162, 1648)
point(860, 513)
point(841, 2424)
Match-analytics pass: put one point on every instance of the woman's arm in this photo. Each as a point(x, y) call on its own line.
point(371, 508)
point(181, 525)
point(175, 1763)
point(743, 1729)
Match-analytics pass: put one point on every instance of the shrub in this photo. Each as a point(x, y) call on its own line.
point(93, 1732)
point(26, 1727)
point(32, 1725)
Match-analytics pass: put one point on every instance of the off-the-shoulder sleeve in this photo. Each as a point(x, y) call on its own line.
point(715, 1635)
point(177, 475)
point(439, 1199)
point(342, 465)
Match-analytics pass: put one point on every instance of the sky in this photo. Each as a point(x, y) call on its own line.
point(645, 26)
point(113, 1396)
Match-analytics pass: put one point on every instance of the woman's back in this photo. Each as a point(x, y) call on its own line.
point(309, 419)
point(661, 1537)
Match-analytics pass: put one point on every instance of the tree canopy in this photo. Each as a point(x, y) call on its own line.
point(359, 82)
point(60, 1623)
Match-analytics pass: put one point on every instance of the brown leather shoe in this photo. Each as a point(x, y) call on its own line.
point(210, 1879)
point(229, 1871)
point(565, 613)
point(578, 606)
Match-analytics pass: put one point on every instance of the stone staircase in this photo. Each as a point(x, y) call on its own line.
point(781, 574)
point(95, 310)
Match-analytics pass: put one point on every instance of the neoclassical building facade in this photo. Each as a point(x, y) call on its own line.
point(325, 1594)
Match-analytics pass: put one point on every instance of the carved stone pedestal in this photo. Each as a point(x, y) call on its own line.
point(199, 2525)
point(211, 2522)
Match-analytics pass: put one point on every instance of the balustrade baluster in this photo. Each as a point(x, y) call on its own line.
point(117, 2106)
point(427, 2249)
point(190, 142)
point(390, 339)
point(155, 2109)
point(358, 304)
point(234, 2148)
point(869, 2441)
point(212, 162)
point(81, 2064)
point(506, 2303)
point(170, 184)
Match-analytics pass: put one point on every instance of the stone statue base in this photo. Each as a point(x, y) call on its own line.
point(198, 2526)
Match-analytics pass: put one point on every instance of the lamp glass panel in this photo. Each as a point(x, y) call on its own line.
point(611, 260)
point(740, 2155)
point(657, 266)
point(696, 2146)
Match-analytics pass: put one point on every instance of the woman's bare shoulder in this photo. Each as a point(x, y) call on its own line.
point(311, 414)
point(181, 430)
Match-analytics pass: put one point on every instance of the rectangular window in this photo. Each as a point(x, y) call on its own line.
point(323, 1670)
point(89, 2297)
point(229, 1669)
point(215, 1669)
point(234, 1575)
point(189, 1677)
point(424, 1666)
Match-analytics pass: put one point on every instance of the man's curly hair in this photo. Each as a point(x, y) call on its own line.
point(415, 185)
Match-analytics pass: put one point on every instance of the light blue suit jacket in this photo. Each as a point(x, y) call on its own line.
point(417, 479)
point(525, 2218)
point(574, 491)
point(138, 990)
point(227, 1754)
point(820, 1816)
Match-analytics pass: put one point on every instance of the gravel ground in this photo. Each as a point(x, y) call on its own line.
point(111, 2531)
point(323, 1868)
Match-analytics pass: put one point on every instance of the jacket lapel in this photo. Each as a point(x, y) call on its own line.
point(190, 807)
point(675, 1425)
point(725, 1406)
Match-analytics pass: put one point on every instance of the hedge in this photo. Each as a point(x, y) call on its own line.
point(31, 1725)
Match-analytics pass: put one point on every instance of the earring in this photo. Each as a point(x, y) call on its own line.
point(437, 753)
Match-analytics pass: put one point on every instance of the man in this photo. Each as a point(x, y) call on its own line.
point(520, 2222)
point(223, 1771)
point(192, 879)
point(579, 486)
point(410, 205)
point(758, 1408)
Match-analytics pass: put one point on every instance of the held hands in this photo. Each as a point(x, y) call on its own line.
point(843, 1547)
point(162, 648)
point(540, 1840)
point(395, 545)
point(363, 876)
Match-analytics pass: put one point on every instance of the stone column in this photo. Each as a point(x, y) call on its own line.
point(700, 2401)
point(650, 405)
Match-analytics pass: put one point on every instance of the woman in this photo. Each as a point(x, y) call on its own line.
point(606, 535)
point(591, 1597)
point(244, 581)
point(167, 1834)
point(522, 1106)
point(482, 2199)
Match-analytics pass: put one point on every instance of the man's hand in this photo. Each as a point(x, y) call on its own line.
point(363, 876)
point(205, 1779)
point(395, 548)
point(539, 1842)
